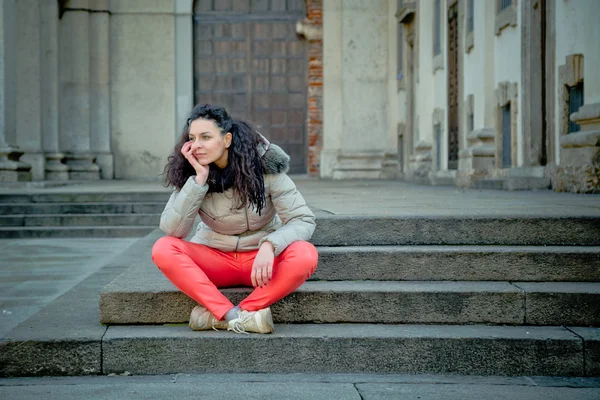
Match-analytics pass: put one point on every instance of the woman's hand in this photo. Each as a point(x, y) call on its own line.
point(262, 269)
point(201, 170)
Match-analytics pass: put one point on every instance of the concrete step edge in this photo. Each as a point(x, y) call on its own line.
point(400, 286)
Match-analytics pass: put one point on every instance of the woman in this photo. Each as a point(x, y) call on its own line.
point(254, 223)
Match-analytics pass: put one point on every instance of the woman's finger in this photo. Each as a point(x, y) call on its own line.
point(270, 271)
point(259, 277)
point(253, 277)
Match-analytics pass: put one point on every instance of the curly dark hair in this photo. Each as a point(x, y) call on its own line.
point(244, 162)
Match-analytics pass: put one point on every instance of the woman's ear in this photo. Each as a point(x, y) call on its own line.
point(228, 138)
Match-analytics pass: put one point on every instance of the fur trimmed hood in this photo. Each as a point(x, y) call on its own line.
point(274, 159)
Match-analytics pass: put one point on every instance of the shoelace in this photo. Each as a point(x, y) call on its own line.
point(237, 325)
point(220, 324)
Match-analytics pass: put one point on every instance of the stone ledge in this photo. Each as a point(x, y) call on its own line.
point(581, 139)
point(587, 112)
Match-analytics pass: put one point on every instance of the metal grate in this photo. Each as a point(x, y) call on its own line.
point(575, 101)
point(505, 4)
point(506, 137)
point(437, 28)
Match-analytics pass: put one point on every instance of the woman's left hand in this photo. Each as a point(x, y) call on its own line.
point(262, 269)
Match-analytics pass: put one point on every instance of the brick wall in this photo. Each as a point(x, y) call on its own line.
point(314, 20)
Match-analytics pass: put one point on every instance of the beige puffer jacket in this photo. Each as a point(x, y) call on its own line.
point(285, 218)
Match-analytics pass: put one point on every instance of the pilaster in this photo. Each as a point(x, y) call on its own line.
point(11, 168)
point(75, 114)
point(55, 170)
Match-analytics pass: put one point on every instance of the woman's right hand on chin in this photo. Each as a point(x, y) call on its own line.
point(201, 170)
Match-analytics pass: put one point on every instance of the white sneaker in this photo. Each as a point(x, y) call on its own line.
point(201, 320)
point(260, 321)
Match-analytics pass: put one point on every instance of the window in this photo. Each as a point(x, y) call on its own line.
point(575, 101)
point(437, 48)
point(438, 146)
point(470, 16)
point(400, 48)
point(506, 14)
point(471, 123)
point(506, 137)
point(504, 4)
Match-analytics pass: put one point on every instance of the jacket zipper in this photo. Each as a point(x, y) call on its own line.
point(210, 216)
point(247, 220)
point(236, 248)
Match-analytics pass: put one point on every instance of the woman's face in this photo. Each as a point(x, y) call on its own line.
point(208, 145)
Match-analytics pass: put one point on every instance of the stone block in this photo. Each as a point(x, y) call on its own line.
point(152, 299)
point(346, 348)
point(459, 263)
point(562, 303)
point(591, 341)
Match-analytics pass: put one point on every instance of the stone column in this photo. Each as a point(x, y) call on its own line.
point(29, 124)
point(356, 93)
point(99, 88)
point(11, 169)
point(184, 54)
point(477, 160)
point(75, 91)
point(55, 169)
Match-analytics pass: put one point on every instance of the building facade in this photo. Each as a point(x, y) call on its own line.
point(492, 93)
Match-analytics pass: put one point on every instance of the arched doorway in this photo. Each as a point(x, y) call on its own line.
point(248, 58)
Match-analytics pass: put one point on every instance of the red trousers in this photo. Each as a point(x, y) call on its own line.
point(199, 271)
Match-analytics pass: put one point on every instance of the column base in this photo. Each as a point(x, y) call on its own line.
point(391, 166)
point(106, 163)
point(11, 169)
point(520, 178)
point(82, 166)
point(476, 161)
point(37, 161)
point(420, 164)
point(364, 165)
point(579, 167)
point(55, 169)
point(358, 165)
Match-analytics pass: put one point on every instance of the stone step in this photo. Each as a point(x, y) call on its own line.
point(340, 230)
point(80, 208)
point(149, 219)
point(376, 302)
point(97, 197)
point(19, 232)
point(459, 263)
point(348, 348)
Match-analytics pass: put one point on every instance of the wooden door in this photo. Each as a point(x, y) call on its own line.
point(248, 58)
point(453, 86)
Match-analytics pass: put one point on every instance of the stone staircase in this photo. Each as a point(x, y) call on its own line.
point(80, 214)
point(469, 295)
